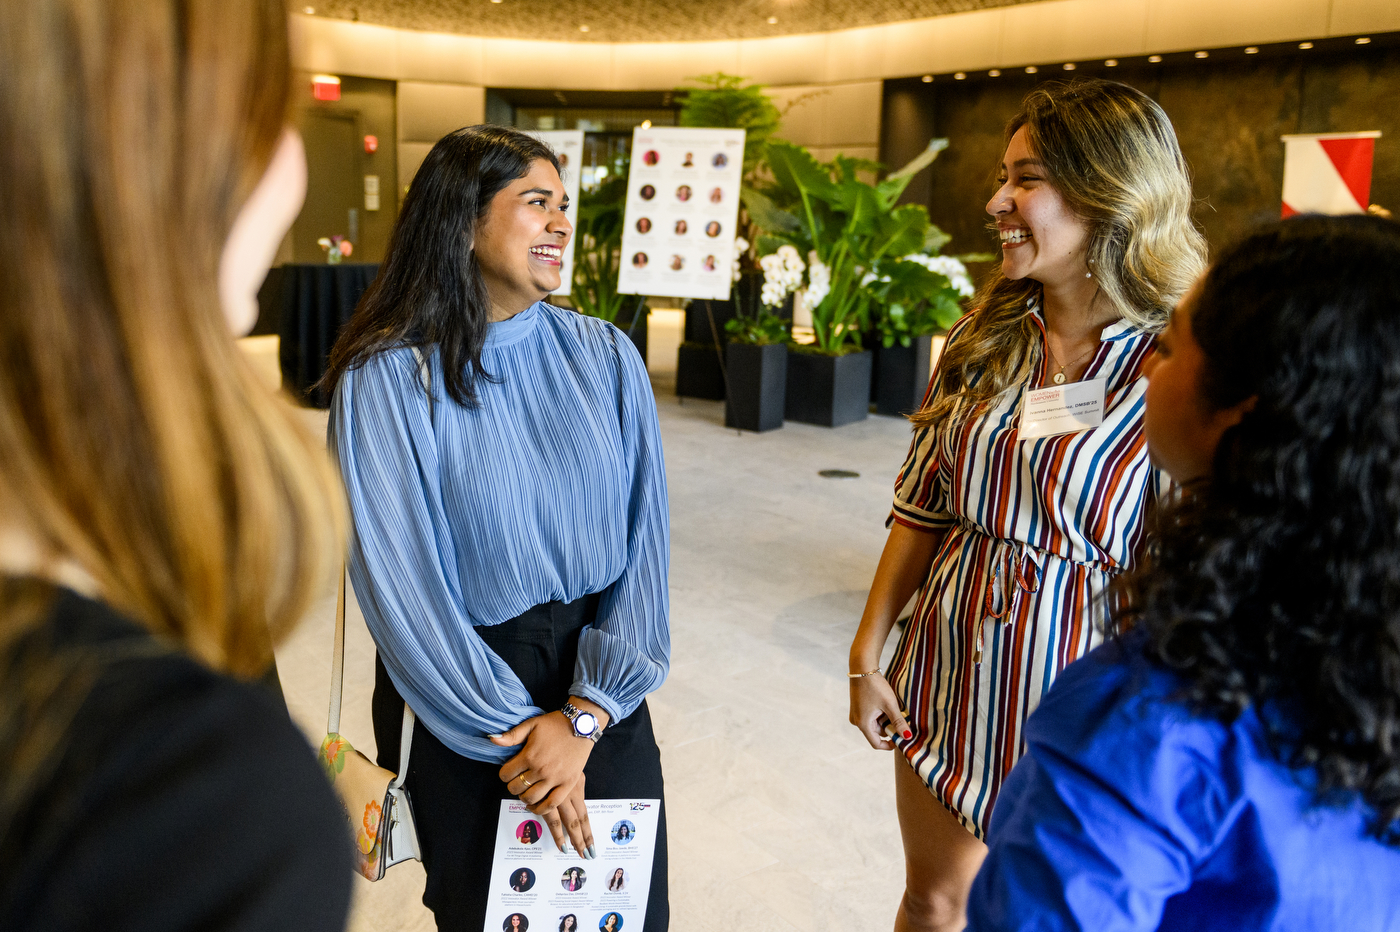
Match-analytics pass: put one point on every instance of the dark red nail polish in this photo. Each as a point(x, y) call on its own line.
point(908, 734)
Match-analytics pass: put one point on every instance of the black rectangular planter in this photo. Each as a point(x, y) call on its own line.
point(697, 321)
point(697, 372)
point(757, 386)
point(637, 334)
point(901, 376)
point(828, 390)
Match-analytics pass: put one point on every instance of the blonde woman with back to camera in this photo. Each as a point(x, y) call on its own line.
point(1009, 540)
point(160, 511)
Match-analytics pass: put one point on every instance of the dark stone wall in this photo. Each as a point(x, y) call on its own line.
point(1228, 115)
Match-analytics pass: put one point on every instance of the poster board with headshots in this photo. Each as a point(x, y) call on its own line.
point(682, 210)
point(568, 145)
point(535, 887)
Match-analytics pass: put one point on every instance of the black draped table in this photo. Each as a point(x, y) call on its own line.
point(310, 304)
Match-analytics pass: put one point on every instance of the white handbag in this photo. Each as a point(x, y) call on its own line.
point(381, 814)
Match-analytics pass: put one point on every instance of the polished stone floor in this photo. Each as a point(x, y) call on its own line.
point(781, 817)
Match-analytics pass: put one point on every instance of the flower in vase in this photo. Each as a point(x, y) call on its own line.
point(949, 268)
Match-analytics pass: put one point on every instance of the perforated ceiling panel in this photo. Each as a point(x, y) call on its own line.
point(639, 20)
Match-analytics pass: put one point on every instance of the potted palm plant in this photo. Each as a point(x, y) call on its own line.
point(597, 254)
point(844, 227)
point(722, 101)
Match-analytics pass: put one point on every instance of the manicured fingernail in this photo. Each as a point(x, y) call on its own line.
point(908, 734)
point(592, 852)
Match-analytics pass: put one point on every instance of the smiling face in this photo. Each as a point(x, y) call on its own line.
point(1041, 238)
point(520, 240)
point(1182, 428)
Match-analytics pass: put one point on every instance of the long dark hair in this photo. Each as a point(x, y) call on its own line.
point(429, 288)
point(1275, 583)
point(568, 928)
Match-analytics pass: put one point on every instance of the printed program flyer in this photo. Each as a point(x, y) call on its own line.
point(535, 886)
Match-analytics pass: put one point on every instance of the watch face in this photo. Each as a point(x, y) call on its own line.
point(585, 724)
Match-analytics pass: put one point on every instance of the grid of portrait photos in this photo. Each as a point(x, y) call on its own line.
point(682, 208)
point(536, 886)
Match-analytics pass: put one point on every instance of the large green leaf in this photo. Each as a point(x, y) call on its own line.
point(895, 183)
point(797, 171)
point(767, 215)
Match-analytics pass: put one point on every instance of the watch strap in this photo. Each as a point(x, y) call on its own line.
point(572, 712)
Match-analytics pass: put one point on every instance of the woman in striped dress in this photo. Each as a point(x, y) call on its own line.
point(1011, 535)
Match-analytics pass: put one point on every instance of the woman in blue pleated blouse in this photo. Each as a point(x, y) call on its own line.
point(1232, 760)
point(511, 544)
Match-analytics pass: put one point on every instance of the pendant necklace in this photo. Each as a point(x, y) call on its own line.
point(1059, 377)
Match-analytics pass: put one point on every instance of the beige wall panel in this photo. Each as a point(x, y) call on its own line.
point(784, 60)
point(427, 112)
point(664, 65)
point(851, 114)
point(411, 155)
point(430, 56)
point(565, 65)
point(963, 41)
point(803, 123)
point(1071, 30)
point(856, 54)
point(338, 47)
point(827, 153)
point(1187, 24)
point(1350, 17)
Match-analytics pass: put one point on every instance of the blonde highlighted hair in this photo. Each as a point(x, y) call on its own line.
point(135, 440)
point(1111, 153)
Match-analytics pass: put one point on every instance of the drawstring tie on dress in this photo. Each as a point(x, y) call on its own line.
point(1022, 564)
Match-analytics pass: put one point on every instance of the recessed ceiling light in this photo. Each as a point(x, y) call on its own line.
point(927, 79)
point(1304, 45)
point(646, 124)
point(1203, 54)
point(994, 73)
point(1111, 63)
point(960, 76)
point(1154, 58)
point(1252, 50)
point(1031, 69)
point(1364, 40)
point(772, 20)
point(583, 29)
point(1070, 66)
point(309, 10)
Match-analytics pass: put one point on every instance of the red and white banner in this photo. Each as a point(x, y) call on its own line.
point(1327, 173)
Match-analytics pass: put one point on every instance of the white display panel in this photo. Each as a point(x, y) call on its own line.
point(568, 145)
point(534, 885)
point(682, 210)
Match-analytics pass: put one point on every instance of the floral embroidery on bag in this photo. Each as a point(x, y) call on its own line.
point(332, 755)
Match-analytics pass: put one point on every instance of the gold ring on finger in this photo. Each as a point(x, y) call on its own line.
point(527, 783)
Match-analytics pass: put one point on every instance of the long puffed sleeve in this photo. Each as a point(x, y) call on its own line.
point(625, 653)
point(402, 560)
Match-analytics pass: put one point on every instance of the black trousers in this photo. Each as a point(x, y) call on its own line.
point(456, 799)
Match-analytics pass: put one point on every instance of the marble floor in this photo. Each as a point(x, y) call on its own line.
point(781, 816)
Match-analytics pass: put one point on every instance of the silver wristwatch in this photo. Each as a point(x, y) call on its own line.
point(585, 723)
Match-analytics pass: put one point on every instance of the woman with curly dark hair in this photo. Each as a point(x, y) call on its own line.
point(1232, 759)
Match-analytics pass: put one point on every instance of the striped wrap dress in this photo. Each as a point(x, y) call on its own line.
point(1034, 532)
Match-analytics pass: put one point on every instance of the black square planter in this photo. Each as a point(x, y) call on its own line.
point(697, 372)
point(828, 390)
point(757, 386)
point(638, 334)
point(901, 376)
point(697, 320)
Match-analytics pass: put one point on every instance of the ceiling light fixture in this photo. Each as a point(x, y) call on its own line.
point(927, 79)
point(994, 73)
point(495, 1)
point(1251, 50)
point(583, 29)
point(1154, 58)
point(646, 124)
point(1364, 40)
point(309, 10)
point(1304, 45)
point(960, 76)
point(1070, 66)
point(772, 20)
point(1111, 63)
point(1203, 54)
point(1031, 69)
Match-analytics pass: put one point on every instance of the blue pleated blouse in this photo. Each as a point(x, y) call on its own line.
point(550, 489)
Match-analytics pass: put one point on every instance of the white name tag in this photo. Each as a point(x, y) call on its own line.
point(1062, 409)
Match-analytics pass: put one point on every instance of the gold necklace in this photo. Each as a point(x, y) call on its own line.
point(1059, 377)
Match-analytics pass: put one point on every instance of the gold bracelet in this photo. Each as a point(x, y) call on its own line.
point(856, 676)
